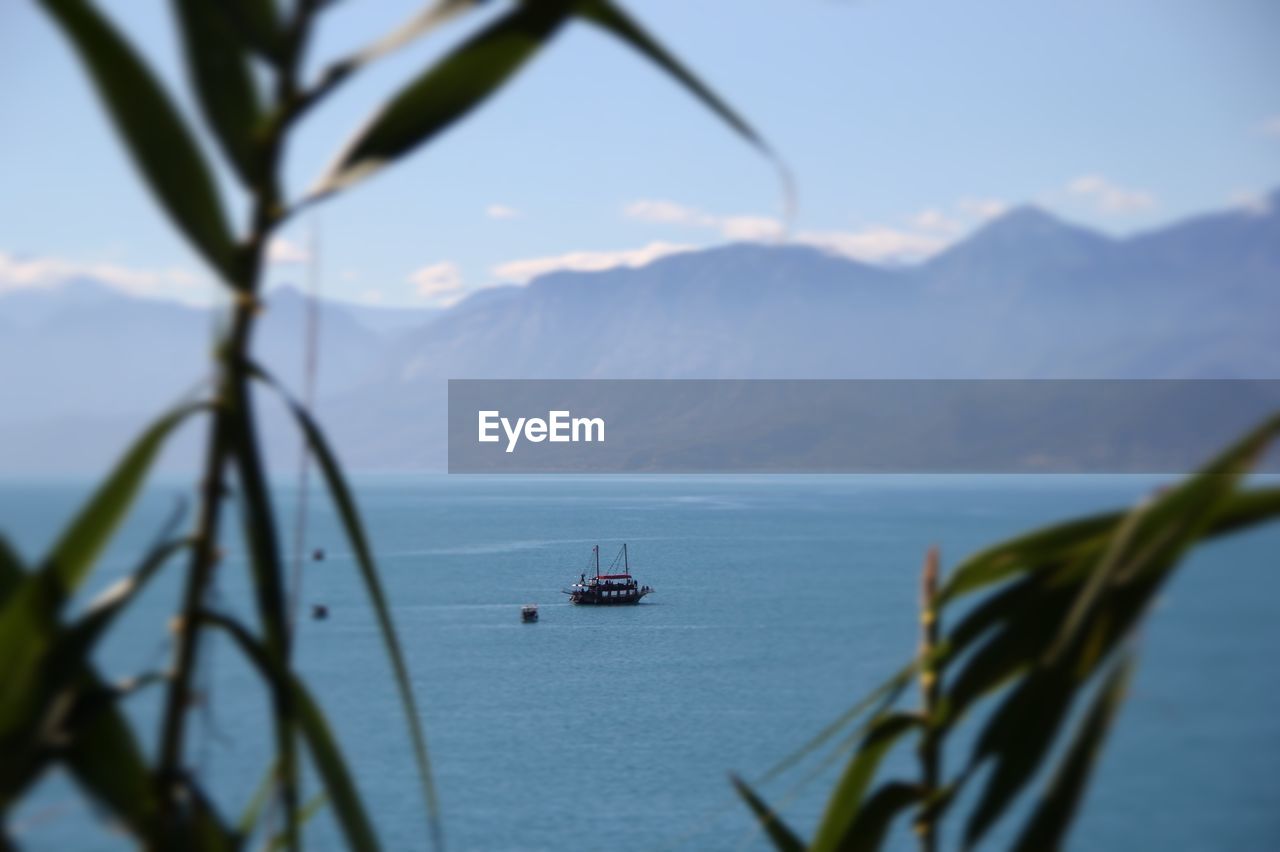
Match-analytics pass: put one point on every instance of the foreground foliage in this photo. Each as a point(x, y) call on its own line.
point(244, 61)
point(1042, 623)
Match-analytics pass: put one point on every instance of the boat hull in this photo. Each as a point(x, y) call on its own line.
point(592, 598)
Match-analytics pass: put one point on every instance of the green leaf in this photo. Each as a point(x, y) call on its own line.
point(257, 23)
point(1048, 825)
point(107, 763)
point(346, 506)
point(267, 568)
point(222, 78)
point(314, 727)
point(881, 697)
point(29, 614)
point(155, 135)
point(784, 839)
point(11, 570)
point(253, 808)
point(877, 813)
point(846, 802)
point(310, 809)
point(79, 545)
point(447, 91)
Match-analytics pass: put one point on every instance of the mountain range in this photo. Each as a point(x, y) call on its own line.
point(1026, 296)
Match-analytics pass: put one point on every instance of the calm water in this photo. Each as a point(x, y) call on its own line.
point(779, 602)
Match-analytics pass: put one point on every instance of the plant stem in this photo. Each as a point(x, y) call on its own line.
point(930, 749)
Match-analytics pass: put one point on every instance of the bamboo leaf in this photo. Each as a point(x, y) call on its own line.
point(877, 814)
point(311, 722)
point(846, 802)
point(881, 698)
point(11, 570)
point(222, 78)
point(82, 541)
point(257, 23)
point(1048, 825)
point(258, 522)
point(447, 91)
point(310, 809)
point(107, 763)
point(155, 135)
point(784, 839)
point(345, 503)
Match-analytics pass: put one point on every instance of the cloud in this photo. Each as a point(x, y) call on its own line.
point(877, 244)
point(1253, 203)
point(282, 251)
point(523, 271)
point(438, 283)
point(982, 209)
point(1271, 127)
point(17, 273)
point(742, 227)
point(501, 211)
point(1110, 198)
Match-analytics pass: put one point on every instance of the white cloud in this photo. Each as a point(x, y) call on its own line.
point(877, 244)
point(17, 273)
point(522, 271)
point(759, 228)
point(666, 212)
point(1254, 203)
point(1271, 127)
point(501, 211)
point(438, 283)
point(282, 251)
point(741, 227)
point(1109, 197)
point(982, 209)
point(933, 219)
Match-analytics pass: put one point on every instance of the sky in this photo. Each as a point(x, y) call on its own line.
point(906, 123)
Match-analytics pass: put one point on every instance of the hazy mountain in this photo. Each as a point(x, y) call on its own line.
point(1027, 296)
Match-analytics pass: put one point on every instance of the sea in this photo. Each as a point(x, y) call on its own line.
point(779, 602)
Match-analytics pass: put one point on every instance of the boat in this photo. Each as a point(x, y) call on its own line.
point(529, 612)
point(608, 589)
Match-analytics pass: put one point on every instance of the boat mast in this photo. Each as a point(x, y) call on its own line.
point(626, 566)
point(597, 552)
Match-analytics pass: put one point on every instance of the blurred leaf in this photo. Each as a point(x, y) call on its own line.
point(248, 823)
point(157, 138)
point(107, 763)
point(868, 830)
point(345, 503)
point(11, 570)
point(422, 22)
point(1049, 546)
point(311, 722)
point(79, 545)
point(447, 91)
point(846, 801)
point(29, 615)
point(784, 839)
point(218, 65)
point(257, 23)
point(259, 526)
point(1049, 823)
point(881, 697)
point(73, 648)
point(310, 809)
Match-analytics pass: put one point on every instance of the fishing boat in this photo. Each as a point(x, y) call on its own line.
point(608, 589)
